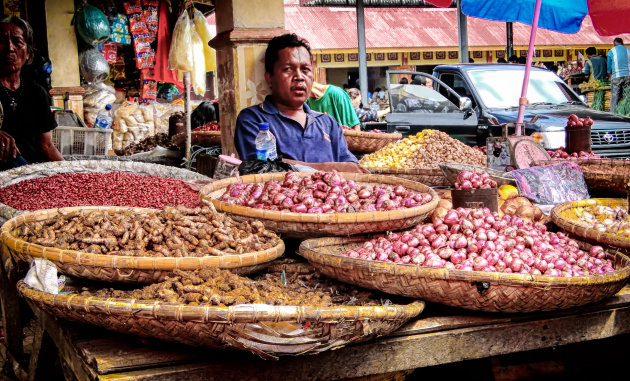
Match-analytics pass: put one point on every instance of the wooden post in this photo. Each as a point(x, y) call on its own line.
point(188, 109)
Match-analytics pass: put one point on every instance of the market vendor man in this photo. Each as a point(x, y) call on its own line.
point(302, 135)
point(25, 133)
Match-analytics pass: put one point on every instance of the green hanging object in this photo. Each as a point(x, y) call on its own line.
point(92, 25)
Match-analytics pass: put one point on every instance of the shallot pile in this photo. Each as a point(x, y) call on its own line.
point(560, 153)
point(322, 192)
point(474, 180)
point(478, 240)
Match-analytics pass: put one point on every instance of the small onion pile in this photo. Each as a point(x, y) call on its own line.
point(322, 192)
point(474, 180)
point(606, 219)
point(478, 240)
point(560, 153)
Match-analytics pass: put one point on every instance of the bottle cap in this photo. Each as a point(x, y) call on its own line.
point(263, 126)
point(108, 107)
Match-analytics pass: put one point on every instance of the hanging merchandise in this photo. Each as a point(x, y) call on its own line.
point(150, 11)
point(93, 66)
point(120, 30)
point(203, 29)
point(180, 54)
point(198, 74)
point(145, 56)
point(92, 25)
point(148, 90)
point(110, 52)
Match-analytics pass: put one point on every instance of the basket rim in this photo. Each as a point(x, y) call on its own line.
point(456, 166)
point(120, 261)
point(568, 225)
point(308, 250)
point(427, 171)
point(372, 135)
point(243, 313)
point(337, 218)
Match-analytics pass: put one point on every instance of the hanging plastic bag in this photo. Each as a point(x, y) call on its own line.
point(93, 66)
point(92, 25)
point(180, 54)
point(198, 74)
point(202, 27)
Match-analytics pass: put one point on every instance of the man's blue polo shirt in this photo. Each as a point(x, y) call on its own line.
point(321, 141)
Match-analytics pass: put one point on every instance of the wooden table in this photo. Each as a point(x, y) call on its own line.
point(440, 336)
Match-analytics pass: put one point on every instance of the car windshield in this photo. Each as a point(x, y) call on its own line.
point(502, 88)
point(418, 99)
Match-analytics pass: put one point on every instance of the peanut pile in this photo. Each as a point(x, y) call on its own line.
point(426, 149)
point(217, 287)
point(171, 232)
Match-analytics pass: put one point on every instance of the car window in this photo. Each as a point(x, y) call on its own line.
point(502, 88)
point(419, 99)
point(457, 83)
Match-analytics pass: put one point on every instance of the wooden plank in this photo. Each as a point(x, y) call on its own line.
point(67, 352)
point(394, 354)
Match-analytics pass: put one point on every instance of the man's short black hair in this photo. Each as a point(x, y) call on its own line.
point(618, 41)
point(276, 44)
point(522, 60)
point(591, 51)
point(403, 81)
point(419, 80)
point(513, 58)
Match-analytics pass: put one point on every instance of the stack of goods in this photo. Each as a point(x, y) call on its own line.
point(561, 153)
point(171, 232)
point(148, 144)
point(322, 193)
point(424, 150)
point(478, 240)
point(95, 188)
point(96, 96)
point(209, 126)
point(133, 122)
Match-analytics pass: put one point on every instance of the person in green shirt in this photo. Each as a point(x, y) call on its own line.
point(335, 102)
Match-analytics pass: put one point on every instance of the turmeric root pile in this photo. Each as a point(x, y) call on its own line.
point(214, 286)
point(171, 232)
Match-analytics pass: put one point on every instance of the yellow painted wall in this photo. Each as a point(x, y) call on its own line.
point(250, 14)
point(62, 43)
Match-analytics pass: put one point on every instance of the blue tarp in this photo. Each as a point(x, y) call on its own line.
point(558, 15)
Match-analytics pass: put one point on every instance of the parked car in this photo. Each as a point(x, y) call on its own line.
point(471, 101)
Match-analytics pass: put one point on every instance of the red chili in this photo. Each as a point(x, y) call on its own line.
point(107, 189)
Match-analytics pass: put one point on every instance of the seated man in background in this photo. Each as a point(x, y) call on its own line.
point(302, 135)
point(334, 101)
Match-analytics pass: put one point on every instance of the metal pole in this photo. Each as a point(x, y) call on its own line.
point(188, 110)
point(510, 39)
point(363, 78)
point(462, 27)
point(528, 67)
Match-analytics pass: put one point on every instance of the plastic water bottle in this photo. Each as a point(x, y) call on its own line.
point(265, 143)
point(104, 118)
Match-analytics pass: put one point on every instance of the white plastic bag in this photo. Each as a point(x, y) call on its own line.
point(180, 55)
point(198, 74)
point(42, 276)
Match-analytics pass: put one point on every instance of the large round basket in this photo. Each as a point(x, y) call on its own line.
point(309, 225)
point(602, 174)
point(451, 170)
point(263, 329)
point(28, 172)
point(564, 215)
point(118, 268)
point(495, 292)
point(368, 142)
point(428, 176)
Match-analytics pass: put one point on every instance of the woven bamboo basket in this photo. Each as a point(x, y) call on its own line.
point(266, 330)
point(564, 215)
point(118, 268)
point(603, 174)
point(451, 170)
point(428, 176)
point(368, 142)
point(308, 225)
point(33, 171)
point(495, 292)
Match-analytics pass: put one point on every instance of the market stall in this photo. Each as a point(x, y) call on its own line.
point(439, 255)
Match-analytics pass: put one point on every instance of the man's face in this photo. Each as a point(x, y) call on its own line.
point(292, 77)
point(429, 83)
point(13, 48)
